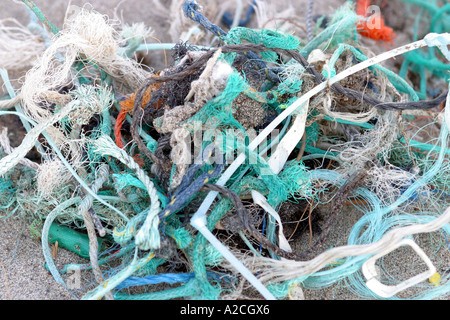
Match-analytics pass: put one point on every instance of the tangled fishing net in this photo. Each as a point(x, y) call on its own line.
point(225, 174)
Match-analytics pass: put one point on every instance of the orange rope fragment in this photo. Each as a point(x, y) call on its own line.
point(369, 28)
point(127, 106)
point(118, 126)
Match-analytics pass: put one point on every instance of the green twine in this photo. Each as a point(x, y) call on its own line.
point(268, 38)
point(340, 28)
point(199, 259)
point(182, 237)
point(359, 124)
point(41, 16)
point(7, 192)
point(419, 61)
point(124, 180)
point(45, 232)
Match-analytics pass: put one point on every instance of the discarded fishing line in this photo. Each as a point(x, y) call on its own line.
point(287, 156)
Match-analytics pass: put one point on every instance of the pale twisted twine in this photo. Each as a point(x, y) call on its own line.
point(83, 209)
point(8, 149)
point(148, 236)
point(11, 160)
point(118, 278)
point(9, 103)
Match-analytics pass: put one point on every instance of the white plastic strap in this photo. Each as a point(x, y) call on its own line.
point(290, 140)
point(200, 224)
point(385, 291)
point(440, 40)
point(260, 200)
